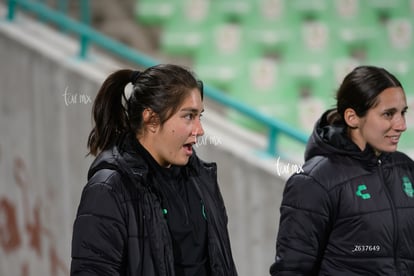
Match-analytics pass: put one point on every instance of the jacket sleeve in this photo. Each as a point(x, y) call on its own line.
point(303, 229)
point(99, 231)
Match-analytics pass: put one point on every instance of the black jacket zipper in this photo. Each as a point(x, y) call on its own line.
point(394, 214)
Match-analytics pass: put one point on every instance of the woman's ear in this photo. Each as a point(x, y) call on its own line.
point(351, 118)
point(150, 120)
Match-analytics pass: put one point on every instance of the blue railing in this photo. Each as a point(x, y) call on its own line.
point(89, 35)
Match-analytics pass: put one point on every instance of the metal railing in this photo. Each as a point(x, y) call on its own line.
point(89, 35)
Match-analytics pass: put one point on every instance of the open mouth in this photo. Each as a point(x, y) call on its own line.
point(188, 148)
point(394, 139)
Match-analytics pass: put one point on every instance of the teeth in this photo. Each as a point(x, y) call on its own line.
point(394, 138)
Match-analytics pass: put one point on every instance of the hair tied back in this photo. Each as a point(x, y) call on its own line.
point(134, 76)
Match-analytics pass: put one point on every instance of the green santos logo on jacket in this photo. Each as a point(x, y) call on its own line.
point(407, 186)
point(362, 192)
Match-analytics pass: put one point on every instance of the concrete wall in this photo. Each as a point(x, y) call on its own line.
point(45, 104)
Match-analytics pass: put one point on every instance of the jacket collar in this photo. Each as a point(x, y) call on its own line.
point(332, 139)
point(129, 153)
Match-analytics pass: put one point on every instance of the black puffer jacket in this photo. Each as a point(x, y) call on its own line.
point(120, 228)
point(349, 213)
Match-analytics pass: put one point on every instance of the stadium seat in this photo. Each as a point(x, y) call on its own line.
point(220, 59)
point(353, 23)
point(263, 86)
point(385, 9)
point(231, 10)
point(307, 9)
point(394, 48)
point(154, 12)
point(185, 32)
point(315, 63)
point(270, 26)
point(313, 49)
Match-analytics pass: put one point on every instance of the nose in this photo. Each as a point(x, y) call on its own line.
point(198, 129)
point(399, 124)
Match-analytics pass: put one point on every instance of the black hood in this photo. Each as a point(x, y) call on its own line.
point(127, 156)
point(332, 139)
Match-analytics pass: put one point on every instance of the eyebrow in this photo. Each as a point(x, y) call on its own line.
point(190, 109)
point(393, 109)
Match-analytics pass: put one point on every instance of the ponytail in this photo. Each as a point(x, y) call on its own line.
point(333, 117)
point(108, 112)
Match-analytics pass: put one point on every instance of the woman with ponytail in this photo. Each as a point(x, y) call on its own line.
point(151, 206)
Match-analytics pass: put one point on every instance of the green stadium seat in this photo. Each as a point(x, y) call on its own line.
point(385, 9)
point(316, 63)
point(220, 59)
point(231, 10)
point(394, 48)
point(154, 12)
point(263, 86)
point(341, 67)
point(314, 48)
point(270, 26)
point(309, 9)
point(317, 94)
point(185, 32)
point(354, 23)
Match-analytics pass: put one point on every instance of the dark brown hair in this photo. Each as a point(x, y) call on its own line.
point(161, 88)
point(360, 89)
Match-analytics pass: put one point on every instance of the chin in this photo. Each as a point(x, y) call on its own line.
point(182, 161)
point(390, 149)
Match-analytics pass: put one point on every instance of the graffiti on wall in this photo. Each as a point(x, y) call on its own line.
point(31, 234)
